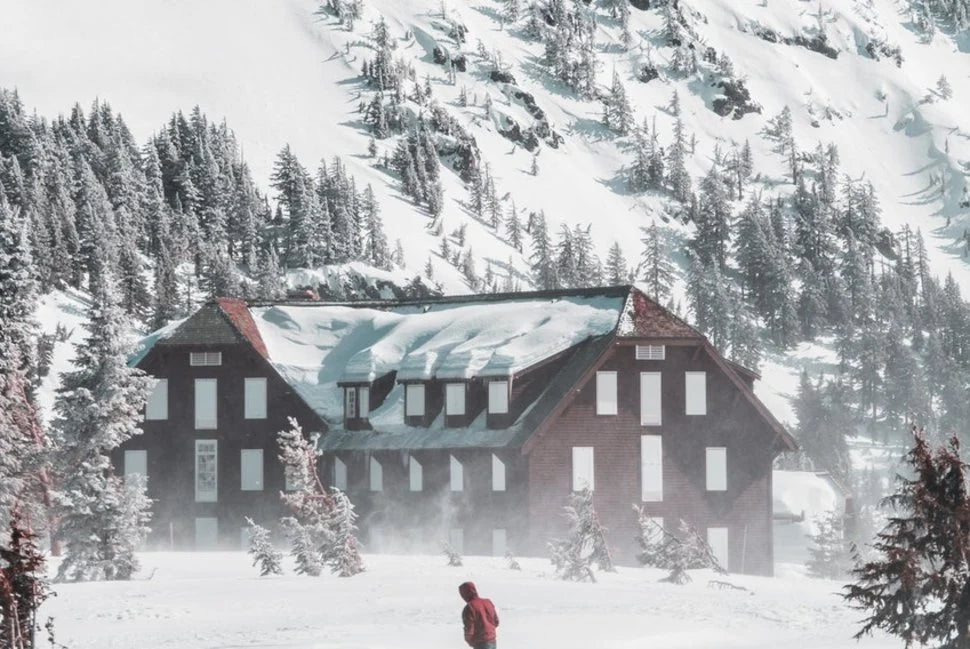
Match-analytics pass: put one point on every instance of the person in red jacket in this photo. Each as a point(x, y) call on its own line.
point(479, 618)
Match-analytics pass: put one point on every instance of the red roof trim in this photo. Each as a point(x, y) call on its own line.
point(238, 313)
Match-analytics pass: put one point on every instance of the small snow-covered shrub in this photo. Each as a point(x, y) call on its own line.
point(585, 545)
point(678, 552)
point(512, 561)
point(454, 558)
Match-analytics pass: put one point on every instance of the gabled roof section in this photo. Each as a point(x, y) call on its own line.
point(238, 313)
point(644, 318)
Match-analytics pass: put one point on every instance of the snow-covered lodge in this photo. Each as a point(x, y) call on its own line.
point(463, 419)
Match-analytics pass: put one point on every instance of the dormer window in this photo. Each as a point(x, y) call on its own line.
point(356, 402)
point(498, 397)
point(414, 400)
point(454, 399)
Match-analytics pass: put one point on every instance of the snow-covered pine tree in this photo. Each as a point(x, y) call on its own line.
point(655, 266)
point(616, 270)
point(916, 587)
point(677, 552)
point(513, 563)
point(304, 546)
point(343, 555)
point(585, 543)
point(617, 112)
point(542, 259)
point(830, 551)
point(102, 518)
point(513, 228)
point(678, 179)
point(268, 559)
point(23, 587)
point(453, 556)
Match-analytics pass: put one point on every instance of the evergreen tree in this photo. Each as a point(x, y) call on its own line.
point(677, 552)
point(617, 113)
point(542, 259)
point(23, 587)
point(585, 544)
point(655, 266)
point(513, 229)
point(830, 552)
point(617, 271)
point(265, 556)
point(678, 179)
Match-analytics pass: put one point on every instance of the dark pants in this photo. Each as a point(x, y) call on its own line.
point(485, 645)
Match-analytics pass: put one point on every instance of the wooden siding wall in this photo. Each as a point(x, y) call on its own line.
point(745, 508)
point(170, 444)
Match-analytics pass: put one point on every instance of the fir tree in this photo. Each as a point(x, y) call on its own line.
point(677, 552)
point(23, 587)
point(585, 544)
point(542, 259)
point(268, 559)
point(454, 557)
point(617, 272)
point(830, 552)
point(655, 266)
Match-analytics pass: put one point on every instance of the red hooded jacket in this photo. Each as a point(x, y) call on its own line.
point(479, 616)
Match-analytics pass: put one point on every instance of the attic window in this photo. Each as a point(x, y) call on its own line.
point(498, 397)
point(356, 402)
point(651, 352)
point(205, 359)
point(414, 400)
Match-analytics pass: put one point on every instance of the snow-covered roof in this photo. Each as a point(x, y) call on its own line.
point(315, 347)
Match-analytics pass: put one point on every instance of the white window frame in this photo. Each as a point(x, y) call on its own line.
point(414, 405)
point(651, 398)
point(156, 407)
point(606, 393)
point(206, 423)
point(456, 474)
point(136, 463)
point(651, 352)
point(651, 469)
point(215, 537)
point(455, 399)
point(251, 475)
point(584, 468)
point(415, 474)
point(715, 461)
point(719, 541)
point(500, 542)
point(204, 495)
point(339, 474)
point(376, 475)
point(498, 473)
point(205, 359)
point(363, 402)
point(498, 397)
point(695, 393)
point(254, 394)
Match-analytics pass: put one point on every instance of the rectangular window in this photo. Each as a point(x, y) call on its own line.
point(651, 469)
point(455, 399)
point(350, 403)
point(498, 397)
point(696, 390)
point(457, 474)
point(498, 474)
point(716, 468)
point(206, 533)
point(456, 538)
point(136, 463)
point(415, 474)
point(339, 474)
point(157, 406)
point(717, 538)
point(206, 470)
point(606, 393)
point(205, 404)
point(499, 542)
point(651, 352)
point(376, 475)
point(205, 359)
point(363, 402)
point(255, 397)
point(650, 400)
point(583, 468)
point(415, 400)
point(251, 469)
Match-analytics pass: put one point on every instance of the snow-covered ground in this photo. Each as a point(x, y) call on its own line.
point(216, 600)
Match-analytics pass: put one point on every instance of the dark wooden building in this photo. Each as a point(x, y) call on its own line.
point(464, 419)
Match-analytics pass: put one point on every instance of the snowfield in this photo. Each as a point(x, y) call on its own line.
point(210, 600)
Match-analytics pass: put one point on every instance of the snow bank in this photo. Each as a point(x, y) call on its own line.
point(800, 494)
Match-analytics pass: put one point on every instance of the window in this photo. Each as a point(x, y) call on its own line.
point(136, 463)
point(498, 397)
point(455, 399)
point(350, 403)
point(157, 406)
point(717, 538)
point(498, 474)
point(415, 474)
point(376, 475)
point(206, 470)
point(651, 352)
point(205, 404)
point(339, 474)
point(583, 468)
point(414, 406)
point(206, 533)
point(251, 469)
point(650, 401)
point(696, 389)
point(457, 474)
point(606, 393)
point(363, 402)
point(456, 539)
point(716, 468)
point(499, 543)
point(205, 359)
point(255, 396)
point(651, 469)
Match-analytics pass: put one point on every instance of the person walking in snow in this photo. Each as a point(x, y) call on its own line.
point(479, 618)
